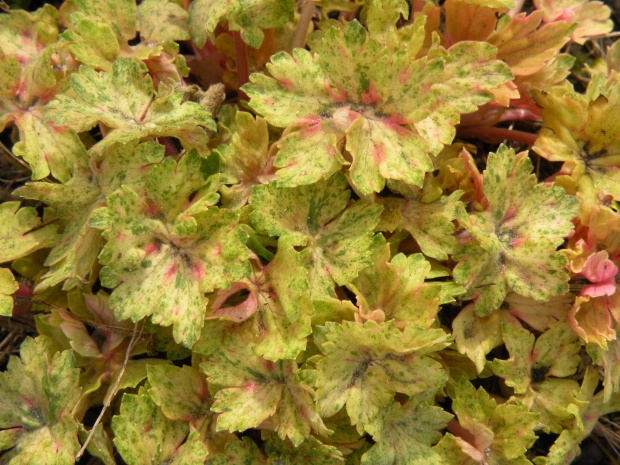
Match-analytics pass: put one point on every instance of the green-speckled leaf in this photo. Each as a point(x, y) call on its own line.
point(248, 16)
point(396, 290)
point(392, 110)
point(8, 285)
point(163, 269)
point(337, 238)
point(24, 34)
point(38, 393)
point(476, 335)
point(516, 236)
point(502, 433)
point(255, 389)
point(245, 161)
point(244, 452)
point(74, 256)
point(404, 435)
point(365, 365)
point(538, 371)
point(311, 452)
point(144, 436)
point(119, 15)
point(181, 393)
point(430, 224)
point(276, 312)
point(21, 231)
point(125, 101)
point(160, 20)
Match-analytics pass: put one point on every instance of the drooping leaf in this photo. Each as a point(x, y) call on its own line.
point(125, 101)
point(393, 111)
point(310, 452)
point(363, 366)
point(153, 29)
point(24, 34)
point(38, 393)
point(404, 435)
point(255, 389)
point(501, 433)
point(21, 231)
point(143, 435)
point(8, 286)
point(249, 17)
point(336, 237)
point(476, 335)
point(516, 236)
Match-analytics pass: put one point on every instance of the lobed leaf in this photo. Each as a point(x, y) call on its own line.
point(38, 394)
point(125, 101)
point(143, 435)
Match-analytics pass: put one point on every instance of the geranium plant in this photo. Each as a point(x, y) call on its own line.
point(256, 232)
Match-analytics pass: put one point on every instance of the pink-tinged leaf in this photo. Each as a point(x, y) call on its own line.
point(143, 435)
point(179, 255)
point(539, 315)
point(595, 319)
point(600, 271)
point(516, 236)
point(592, 17)
point(363, 366)
point(392, 120)
point(277, 306)
point(254, 390)
point(47, 148)
point(38, 393)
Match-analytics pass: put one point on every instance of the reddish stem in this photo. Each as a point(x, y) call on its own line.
point(495, 135)
point(519, 114)
point(242, 64)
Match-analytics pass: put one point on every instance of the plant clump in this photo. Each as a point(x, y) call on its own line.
point(363, 232)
